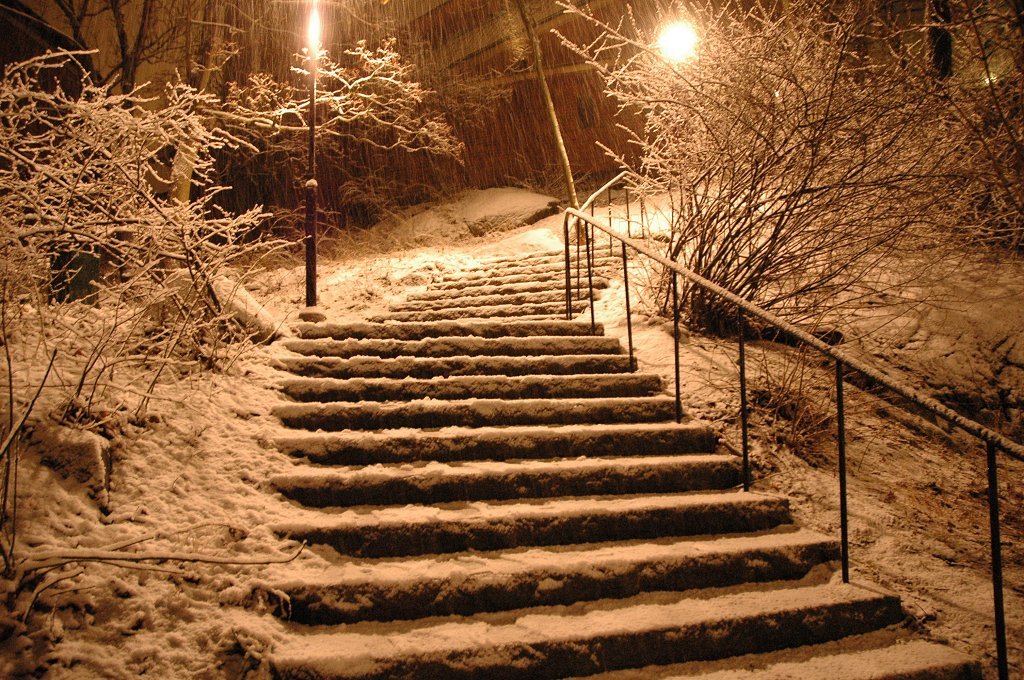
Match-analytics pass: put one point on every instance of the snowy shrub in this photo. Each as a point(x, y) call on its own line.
point(371, 113)
point(793, 164)
point(98, 264)
point(986, 94)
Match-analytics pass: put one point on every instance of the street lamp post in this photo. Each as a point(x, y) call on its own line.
point(313, 40)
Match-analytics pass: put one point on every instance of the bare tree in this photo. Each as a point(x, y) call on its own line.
point(987, 99)
point(123, 33)
point(793, 166)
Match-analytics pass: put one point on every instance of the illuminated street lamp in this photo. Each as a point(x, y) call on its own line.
point(313, 44)
point(677, 42)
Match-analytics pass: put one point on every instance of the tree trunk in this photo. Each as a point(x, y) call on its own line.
point(531, 34)
point(184, 160)
point(940, 39)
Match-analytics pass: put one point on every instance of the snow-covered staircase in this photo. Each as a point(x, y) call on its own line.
point(505, 499)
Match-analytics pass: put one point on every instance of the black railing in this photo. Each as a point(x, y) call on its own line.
point(586, 227)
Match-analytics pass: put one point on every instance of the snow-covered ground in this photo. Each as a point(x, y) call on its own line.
point(194, 480)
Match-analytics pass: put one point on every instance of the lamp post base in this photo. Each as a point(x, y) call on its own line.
point(312, 315)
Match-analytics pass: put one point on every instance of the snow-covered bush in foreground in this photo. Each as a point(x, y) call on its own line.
point(81, 178)
point(794, 163)
point(128, 288)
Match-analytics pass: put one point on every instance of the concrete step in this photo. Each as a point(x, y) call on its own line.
point(537, 345)
point(505, 443)
point(470, 583)
point(394, 330)
point(602, 261)
point(432, 413)
point(551, 285)
point(556, 644)
point(495, 480)
point(546, 255)
point(551, 309)
point(501, 299)
point(858, 657)
point(427, 367)
point(496, 525)
point(554, 279)
point(474, 387)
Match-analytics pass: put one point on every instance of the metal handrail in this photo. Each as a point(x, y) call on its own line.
point(994, 441)
point(928, 403)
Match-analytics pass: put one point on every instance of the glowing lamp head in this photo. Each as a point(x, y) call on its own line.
point(677, 42)
point(313, 30)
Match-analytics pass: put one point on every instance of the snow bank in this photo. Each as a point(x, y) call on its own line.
point(472, 214)
point(76, 454)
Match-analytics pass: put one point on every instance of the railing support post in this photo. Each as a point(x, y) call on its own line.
point(578, 265)
point(611, 241)
point(591, 246)
point(568, 270)
point(1002, 659)
point(744, 417)
point(629, 317)
point(675, 344)
point(629, 225)
point(844, 527)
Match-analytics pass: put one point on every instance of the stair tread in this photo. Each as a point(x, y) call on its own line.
point(431, 413)
point(493, 565)
point(553, 309)
point(556, 295)
point(898, 660)
point(469, 386)
point(477, 512)
point(352, 652)
point(551, 284)
point(451, 328)
point(519, 431)
point(484, 405)
point(421, 367)
point(554, 278)
point(366, 474)
point(527, 267)
point(543, 345)
point(407, 439)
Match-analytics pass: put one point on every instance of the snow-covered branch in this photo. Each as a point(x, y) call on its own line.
point(371, 99)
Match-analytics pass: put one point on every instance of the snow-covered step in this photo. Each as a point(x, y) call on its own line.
point(474, 387)
point(556, 644)
point(365, 330)
point(550, 309)
point(501, 443)
point(489, 271)
point(555, 285)
point(457, 346)
point(431, 367)
point(469, 583)
point(852, 658)
point(432, 413)
point(544, 255)
point(426, 530)
point(495, 480)
point(498, 300)
point(554, 278)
